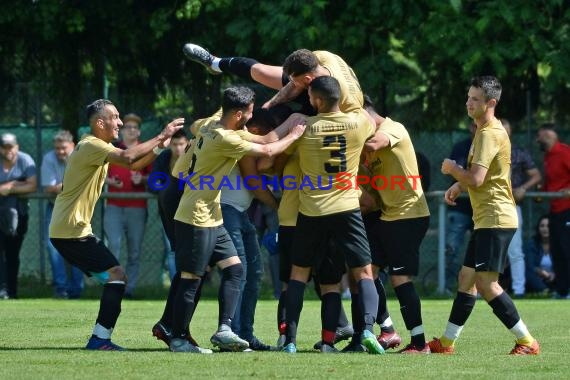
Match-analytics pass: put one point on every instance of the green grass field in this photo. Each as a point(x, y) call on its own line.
point(44, 339)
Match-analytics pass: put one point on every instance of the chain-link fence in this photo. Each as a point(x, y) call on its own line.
point(36, 140)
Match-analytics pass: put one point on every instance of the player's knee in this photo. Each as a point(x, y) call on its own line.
point(233, 272)
point(334, 288)
point(117, 274)
point(188, 276)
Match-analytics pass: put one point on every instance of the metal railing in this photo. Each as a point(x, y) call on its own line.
point(433, 196)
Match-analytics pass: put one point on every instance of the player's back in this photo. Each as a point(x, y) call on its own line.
point(329, 158)
point(351, 97)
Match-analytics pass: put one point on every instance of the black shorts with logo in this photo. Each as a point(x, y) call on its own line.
point(399, 245)
point(487, 250)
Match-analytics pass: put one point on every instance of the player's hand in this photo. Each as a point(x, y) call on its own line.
point(452, 193)
point(5, 188)
point(170, 129)
point(447, 166)
point(297, 131)
point(267, 105)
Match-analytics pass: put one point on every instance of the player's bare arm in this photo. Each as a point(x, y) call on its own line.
point(141, 155)
point(286, 94)
point(474, 177)
point(275, 148)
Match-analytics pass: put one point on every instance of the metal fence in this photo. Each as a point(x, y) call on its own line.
point(36, 140)
point(152, 269)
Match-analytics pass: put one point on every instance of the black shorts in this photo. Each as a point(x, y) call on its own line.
point(88, 254)
point(399, 242)
point(345, 229)
point(487, 249)
point(372, 224)
point(329, 271)
point(198, 247)
point(332, 267)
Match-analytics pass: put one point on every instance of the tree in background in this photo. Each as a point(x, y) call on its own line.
point(412, 57)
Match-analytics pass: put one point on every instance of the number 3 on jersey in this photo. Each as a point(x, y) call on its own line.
point(336, 154)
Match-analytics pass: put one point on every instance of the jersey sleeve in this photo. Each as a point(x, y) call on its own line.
point(96, 151)
point(234, 146)
point(485, 150)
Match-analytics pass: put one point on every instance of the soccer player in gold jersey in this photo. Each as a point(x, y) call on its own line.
point(487, 179)
point(201, 239)
point(330, 147)
point(70, 227)
point(292, 79)
point(403, 224)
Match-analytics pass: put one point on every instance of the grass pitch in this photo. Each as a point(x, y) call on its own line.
point(44, 339)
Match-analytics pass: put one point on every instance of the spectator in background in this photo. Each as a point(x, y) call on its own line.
point(557, 178)
point(540, 276)
point(524, 176)
point(459, 217)
point(127, 216)
point(53, 166)
point(18, 176)
point(164, 164)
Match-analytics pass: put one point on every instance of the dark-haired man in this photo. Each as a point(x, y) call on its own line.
point(402, 227)
point(487, 179)
point(70, 228)
point(331, 145)
point(201, 239)
point(291, 79)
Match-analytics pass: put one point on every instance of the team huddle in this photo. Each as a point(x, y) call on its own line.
point(325, 231)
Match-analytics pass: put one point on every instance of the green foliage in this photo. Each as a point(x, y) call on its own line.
point(414, 58)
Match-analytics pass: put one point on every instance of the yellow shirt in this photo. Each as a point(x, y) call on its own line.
point(289, 205)
point(183, 162)
point(493, 202)
point(351, 97)
point(83, 182)
point(329, 149)
point(215, 152)
point(399, 182)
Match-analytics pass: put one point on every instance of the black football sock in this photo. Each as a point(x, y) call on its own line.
point(240, 66)
point(281, 318)
point(330, 310)
point(411, 309)
point(462, 308)
point(166, 318)
point(293, 307)
point(229, 293)
point(505, 310)
point(183, 306)
point(110, 304)
point(368, 302)
point(382, 314)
